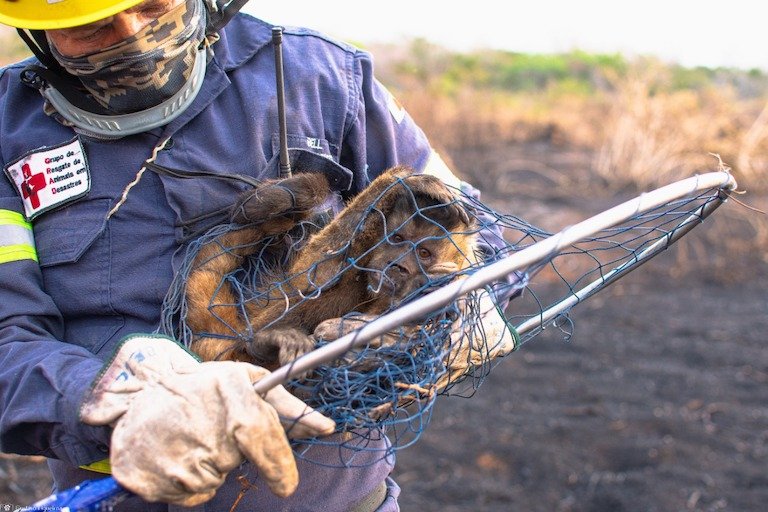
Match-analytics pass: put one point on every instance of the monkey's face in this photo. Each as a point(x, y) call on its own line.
point(417, 249)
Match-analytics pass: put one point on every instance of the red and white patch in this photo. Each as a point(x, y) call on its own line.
point(48, 177)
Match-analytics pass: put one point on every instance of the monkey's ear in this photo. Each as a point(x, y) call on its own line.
point(443, 204)
point(467, 212)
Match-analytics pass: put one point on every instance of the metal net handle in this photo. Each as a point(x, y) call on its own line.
point(538, 252)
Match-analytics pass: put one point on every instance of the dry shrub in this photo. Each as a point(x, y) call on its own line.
point(643, 131)
point(472, 118)
point(577, 120)
point(752, 156)
point(654, 136)
point(643, 134)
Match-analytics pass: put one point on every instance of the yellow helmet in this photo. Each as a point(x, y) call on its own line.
point(52, 14)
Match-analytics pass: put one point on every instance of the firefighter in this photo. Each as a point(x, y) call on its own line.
point(90, 241)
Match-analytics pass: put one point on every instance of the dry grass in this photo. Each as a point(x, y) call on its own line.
point(12, 48)
point(642, 135)
point(751, 157)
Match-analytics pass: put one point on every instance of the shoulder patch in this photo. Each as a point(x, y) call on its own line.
point(48, 177)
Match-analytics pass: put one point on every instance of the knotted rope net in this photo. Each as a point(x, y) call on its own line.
point(381, 390)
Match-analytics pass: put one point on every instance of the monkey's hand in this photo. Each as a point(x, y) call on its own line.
point(279, 346)
point(335, 328)
point(291, 197)
point(433, 187)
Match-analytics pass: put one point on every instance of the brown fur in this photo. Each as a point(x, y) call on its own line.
point(281, 322)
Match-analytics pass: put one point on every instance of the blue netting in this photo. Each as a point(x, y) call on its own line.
point(390, 384)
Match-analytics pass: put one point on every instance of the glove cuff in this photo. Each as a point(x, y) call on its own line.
point(138, 359)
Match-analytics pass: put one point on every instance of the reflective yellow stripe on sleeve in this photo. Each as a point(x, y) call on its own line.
point(17, 242)
point(100, 466)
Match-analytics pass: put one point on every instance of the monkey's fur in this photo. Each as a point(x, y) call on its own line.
point(394, 252)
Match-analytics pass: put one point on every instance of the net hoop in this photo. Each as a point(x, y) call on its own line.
point(538, 252)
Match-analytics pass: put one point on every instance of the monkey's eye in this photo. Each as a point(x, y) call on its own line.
point(423, 253)
point(396, 238)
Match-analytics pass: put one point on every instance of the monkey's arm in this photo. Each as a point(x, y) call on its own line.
point(348, 223)
point(217, 316)
point(359, 226)
point(323, 266)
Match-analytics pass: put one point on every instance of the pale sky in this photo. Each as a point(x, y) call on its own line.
point(690, 32)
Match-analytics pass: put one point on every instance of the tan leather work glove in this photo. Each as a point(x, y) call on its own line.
point(480, 335)
point(181, 425)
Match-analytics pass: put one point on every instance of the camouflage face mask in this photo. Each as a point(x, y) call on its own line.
point(143, 70)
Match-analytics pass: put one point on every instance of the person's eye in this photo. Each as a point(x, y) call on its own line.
point(155, 9)
point(91, 34)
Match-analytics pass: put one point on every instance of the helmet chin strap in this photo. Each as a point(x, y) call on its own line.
point(90, 118)
point(119, 125)
point(221, 12)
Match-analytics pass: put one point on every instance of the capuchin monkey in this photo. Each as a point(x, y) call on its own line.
point(399, 234)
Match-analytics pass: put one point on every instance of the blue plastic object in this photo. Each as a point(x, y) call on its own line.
point(90, 496)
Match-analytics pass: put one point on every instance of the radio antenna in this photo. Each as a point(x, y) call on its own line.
point(277, 42)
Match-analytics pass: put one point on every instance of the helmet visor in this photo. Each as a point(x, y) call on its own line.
point(53, 14)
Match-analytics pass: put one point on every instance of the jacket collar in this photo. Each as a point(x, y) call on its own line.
point(240, 40)
point(243, 36)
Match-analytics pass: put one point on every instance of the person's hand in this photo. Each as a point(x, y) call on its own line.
point(180, 425)
point(479, 335)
